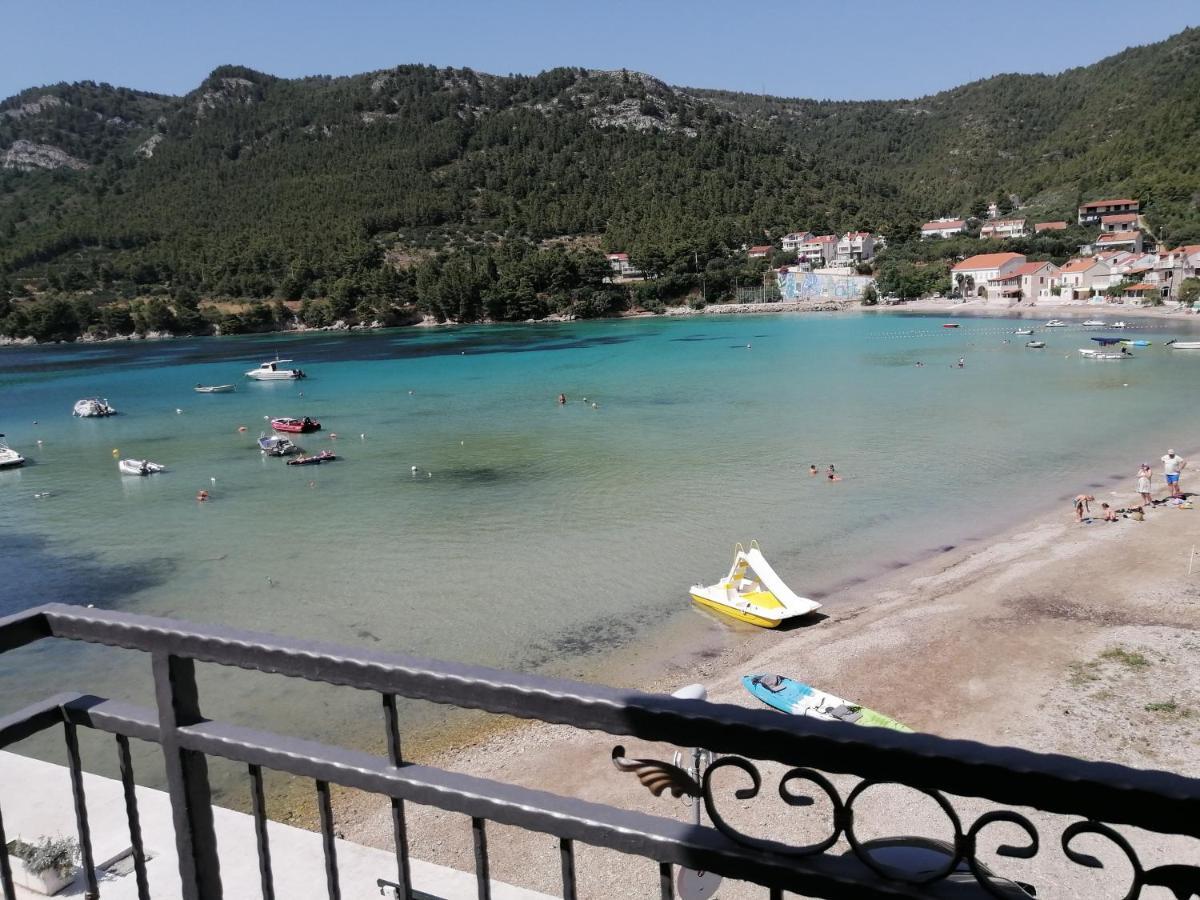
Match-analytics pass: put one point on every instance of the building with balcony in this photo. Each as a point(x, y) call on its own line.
point(818, 251)
point(854, 247)
point(943, 228)
point(1093, 211)
point(1081, 279)
point(972, 276)
point(1003, 228)
point(1028, 282)
point(790, 243)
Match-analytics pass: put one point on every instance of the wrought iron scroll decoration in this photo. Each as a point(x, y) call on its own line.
point(1183, 881)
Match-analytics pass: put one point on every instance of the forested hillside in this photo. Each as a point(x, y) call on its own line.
point(469, 195)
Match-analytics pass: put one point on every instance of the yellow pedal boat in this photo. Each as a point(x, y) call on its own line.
point(753, 592)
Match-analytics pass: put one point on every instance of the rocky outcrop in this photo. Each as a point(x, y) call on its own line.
point(147, 147)
point(27, 156)
point(33, 107)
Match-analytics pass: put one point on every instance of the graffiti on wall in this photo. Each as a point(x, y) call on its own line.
point(821, 286)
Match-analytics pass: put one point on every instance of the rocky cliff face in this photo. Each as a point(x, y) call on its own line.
point(27, 156)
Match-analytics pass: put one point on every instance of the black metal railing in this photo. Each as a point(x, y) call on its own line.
point(1098, 796)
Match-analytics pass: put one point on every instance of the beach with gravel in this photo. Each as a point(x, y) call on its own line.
point(1054, 637)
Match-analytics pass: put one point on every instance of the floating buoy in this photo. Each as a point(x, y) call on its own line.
point(35, 421)
point(178, 411)
point(414, 470)
point(362, 437)
point(333, 435)
point(241, 428)
point(39, 443)
point(116, 452)
point(213, 481)
point(410, 393)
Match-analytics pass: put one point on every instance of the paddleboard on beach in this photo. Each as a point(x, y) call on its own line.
point(799, 699)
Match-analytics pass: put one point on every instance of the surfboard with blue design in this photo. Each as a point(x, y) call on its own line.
point(799, 699)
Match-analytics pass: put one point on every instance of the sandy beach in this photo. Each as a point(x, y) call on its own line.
point(1053, 636)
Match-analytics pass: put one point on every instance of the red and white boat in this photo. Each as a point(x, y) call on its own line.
point(296, 426)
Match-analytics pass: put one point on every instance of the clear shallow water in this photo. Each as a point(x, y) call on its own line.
point(545, 536)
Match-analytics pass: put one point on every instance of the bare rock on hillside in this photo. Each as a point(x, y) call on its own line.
point(147, 147)
point(27, 156)
point(33, 107)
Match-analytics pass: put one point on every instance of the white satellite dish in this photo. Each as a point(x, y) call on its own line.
point(693, 885)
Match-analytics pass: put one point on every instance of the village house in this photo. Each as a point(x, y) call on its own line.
point(620, 265)
point(762, 251)
point(1091, 212)
point(1003, 228)
point(1031, 281)
point(972, 276)
point(791, 242)
point(854, 247)
point(1039, 227)
point(943, 228)
point(1082, 278)
point(1143, 293)
point(817, 252)
point(1113, 240)
point(1120, 222)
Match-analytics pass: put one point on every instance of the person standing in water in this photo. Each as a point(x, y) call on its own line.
point(832, 474)
point(1172, 466)
point(812, 469)
point(562, 399)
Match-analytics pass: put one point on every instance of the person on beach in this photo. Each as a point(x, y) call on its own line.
point(1172, 466)
point(1081, 506)
point(1110, 515)
point(1143, 482)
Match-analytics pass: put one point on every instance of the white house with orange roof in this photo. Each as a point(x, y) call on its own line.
point(818, 251)
point(943, 228)
point(1118, 240)
point(854, 247)
point(791, 242)
point(1028, 282)
point(621, 266)
point(972, 276)
point(1081, 278)
point(1091, 212)
point(1120, 222)
point(1003, 228)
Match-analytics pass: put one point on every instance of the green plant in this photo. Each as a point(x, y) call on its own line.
point(1169, 706)
point(58, 854)
point(1132, 659)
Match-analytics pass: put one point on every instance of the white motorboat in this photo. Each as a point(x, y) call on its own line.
point(276, 445)
point(1023, 331)
point(1094, 323)
point(139, 467)
point(1103, 354)
point(1184, 345)
point(752, 592)
point(1055, 323)
point(9, 458)
point(1118, 325)
point(1035, 345)
point(213, 389)
point(274, 370)
point(92, 407)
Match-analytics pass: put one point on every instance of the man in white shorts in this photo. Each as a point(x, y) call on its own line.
point(1172, 466)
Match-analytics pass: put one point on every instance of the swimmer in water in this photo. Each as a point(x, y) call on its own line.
point(832, 474)
point(562, 399)
point(812, 469)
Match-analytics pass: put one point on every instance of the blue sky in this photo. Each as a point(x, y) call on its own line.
point(870, 49)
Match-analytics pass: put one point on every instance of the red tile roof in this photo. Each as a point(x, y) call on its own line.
point(618, 256)
point(1124, 201)
point(1142, 286)
point(938, 226)
point(1118, 237)
point(1050, 226)
point(1030, 268)
point(1079, 265)
point(763, 248)
point(985, 261)
point(1118, 218)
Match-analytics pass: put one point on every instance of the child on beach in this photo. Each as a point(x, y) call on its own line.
point(1110, 515)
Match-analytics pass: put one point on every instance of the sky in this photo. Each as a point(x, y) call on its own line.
point(872, 49)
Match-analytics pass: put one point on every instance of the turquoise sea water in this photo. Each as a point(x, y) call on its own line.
point(534, 536)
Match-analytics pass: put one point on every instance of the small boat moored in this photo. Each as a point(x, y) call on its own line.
point(1023, 331)
point(1055, 323)
point(1094, 323)
point(799, 699)
point(213, 389)
point(296, 426)
point(1183, 345)
point(753, 592)
point(92, 407)
point(273, 370)
point(9, 458)
point(1035, 345)
point(949, 324)
point(1118, 325)
point(140, 467)
point(1104, 354)
point(323, 456)
point(277, 445)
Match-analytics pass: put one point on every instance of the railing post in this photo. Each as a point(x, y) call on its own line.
point(75, 767)
point(399, 828)
point(6, 879)
point(187, 778)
